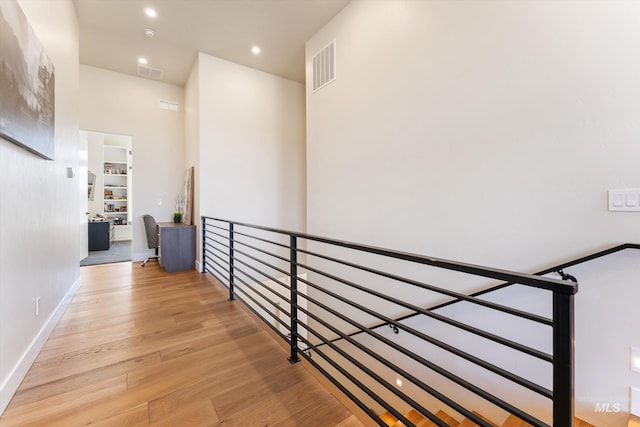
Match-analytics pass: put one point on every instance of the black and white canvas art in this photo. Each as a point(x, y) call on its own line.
point(27, 82)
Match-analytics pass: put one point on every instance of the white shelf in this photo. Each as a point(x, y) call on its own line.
point(117, 159)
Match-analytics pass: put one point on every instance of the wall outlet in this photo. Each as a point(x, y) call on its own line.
point(37, 301)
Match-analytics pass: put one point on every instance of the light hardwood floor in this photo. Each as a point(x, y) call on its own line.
point(138, 346)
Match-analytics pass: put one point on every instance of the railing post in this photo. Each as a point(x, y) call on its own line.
point(563, 360)
point(293, 263)
point(232, 295)
point(203, 261)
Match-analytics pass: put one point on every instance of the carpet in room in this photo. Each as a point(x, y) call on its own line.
point(118, 252)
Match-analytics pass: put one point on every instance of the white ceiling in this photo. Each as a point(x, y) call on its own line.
point(112, 33)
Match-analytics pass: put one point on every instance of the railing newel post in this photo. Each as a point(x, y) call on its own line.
point(563, 359)
point(293, 264)
point(231, 269)
point(203, 261)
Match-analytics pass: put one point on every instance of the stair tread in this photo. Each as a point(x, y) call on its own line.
point(468, 423)
point(514, 421)
point(420, 420)
point(447, 419)
point(417, 418)
point(388, 418)
point(577, 422)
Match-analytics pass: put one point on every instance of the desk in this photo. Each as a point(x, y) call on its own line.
point(100, 235)
point(177, 246)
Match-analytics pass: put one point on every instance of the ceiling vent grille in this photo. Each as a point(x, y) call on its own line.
point(145, 71)
point(324, 66)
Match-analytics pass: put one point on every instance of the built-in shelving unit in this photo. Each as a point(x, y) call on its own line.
point(110, 185)
point(116, 184)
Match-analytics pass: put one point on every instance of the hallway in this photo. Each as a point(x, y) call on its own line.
point(138, 346)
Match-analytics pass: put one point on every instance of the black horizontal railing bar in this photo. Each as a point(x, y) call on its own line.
point(364, 407)
point(262, 285)
point(459, 296)
point(286, 273)
point(387, 320)
point(265, 321)
point(211, 255)
point(549, 270)
point(451, 376)
point(280, 257)
point(214, 240)
point(464, 355)
point(218, 257)
point(504, 275)
point(210, 248)
point(258, 260)
point(430, 390)
point(241, 291)
point(287, 300)
point(213, 267)
point(271, 254)
point(225, 238)
point(209, 245)
point(590, 257)
point(358, 384)
point(219, 274)
point(283, 245)
point(414, 404)
point(216, 274)
point(239, 233)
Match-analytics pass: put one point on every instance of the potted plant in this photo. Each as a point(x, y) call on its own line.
point(177, 214)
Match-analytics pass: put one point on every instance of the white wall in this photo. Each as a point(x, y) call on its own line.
point(117, 103)
point(192, 145)
point(251, 145)
point(483, 131)
point(39, 209)
point(486, 132)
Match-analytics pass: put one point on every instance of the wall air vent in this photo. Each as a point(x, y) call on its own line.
point(168, 105)
point(324, 66)
point(146, 71)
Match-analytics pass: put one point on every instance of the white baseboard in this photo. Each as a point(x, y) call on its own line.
point(10, 386)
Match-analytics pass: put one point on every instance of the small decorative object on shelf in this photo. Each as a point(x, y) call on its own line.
point(177, 215)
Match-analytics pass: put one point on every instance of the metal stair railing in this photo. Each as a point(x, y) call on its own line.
point(314, 291)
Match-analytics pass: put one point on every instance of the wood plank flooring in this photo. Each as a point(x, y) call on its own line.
point(138, 347)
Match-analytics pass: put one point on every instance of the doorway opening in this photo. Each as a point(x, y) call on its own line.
point(108, 201)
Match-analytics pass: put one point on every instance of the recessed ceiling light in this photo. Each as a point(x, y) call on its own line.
point(149, 32)
point(143, 61)
point(151, 13)
point(255, 50)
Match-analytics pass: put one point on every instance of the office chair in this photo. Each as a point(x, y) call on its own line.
point(151, 228)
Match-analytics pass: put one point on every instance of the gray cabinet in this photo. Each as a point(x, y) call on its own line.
point(177, 246)
point(100, 235)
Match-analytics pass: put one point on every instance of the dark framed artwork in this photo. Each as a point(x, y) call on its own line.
point(27, 84)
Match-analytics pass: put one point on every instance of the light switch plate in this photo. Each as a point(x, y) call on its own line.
point(624, 200)
point(635, 359)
